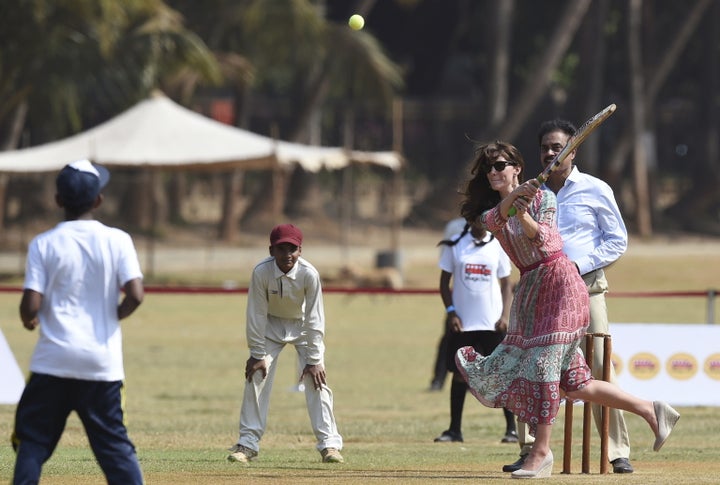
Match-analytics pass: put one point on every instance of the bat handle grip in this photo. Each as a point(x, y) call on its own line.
point(542, 178)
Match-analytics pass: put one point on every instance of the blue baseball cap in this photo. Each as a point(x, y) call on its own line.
point(79, 183)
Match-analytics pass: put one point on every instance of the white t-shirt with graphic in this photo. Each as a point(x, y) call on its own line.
point(475, 272)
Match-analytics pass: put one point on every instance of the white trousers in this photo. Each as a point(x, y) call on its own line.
point(256, 398)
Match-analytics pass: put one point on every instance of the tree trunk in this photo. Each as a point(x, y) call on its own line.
point(500, 32)
point(230, 216)
point(159, 202)
point(540, 80)
point(304, 197)
point(12, 141)
point(232, 194)
point(657, 80)
point(640, 171)
point(267, 201)
point(137, 201)
point(591, 83)
point(712, 116)
point(697, 208)
point(177, 187)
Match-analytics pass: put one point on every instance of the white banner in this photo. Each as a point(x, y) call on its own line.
point(676, 363)
point(11, 378)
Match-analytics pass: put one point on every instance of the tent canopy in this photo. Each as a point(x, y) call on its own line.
point(158, 132)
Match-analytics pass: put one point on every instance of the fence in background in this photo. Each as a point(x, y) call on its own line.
point(710, 295)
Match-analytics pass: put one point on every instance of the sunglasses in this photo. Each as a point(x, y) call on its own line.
point(498, 166)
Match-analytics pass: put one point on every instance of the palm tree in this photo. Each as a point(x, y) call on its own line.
point(69, 65)
point(648, 94)
point(296, 55)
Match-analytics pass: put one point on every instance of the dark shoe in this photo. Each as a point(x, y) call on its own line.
point(449, 437)
point(241, 454)
point(510, 437)
point(515, 466)
point(622, 465)
point(436, 386)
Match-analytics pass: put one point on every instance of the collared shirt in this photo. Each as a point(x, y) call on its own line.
point(294, 298)
point(590, 223)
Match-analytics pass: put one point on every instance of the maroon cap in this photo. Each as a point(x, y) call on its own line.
point(286, 233)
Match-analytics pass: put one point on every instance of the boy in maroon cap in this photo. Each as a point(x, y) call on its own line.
point(285, 306)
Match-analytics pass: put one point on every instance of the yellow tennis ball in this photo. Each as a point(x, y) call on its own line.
point(356, 22)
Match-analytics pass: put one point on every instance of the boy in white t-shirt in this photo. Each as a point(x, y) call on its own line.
point(477, 305)
point(72, 292)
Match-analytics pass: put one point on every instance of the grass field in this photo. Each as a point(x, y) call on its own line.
point(185, 354)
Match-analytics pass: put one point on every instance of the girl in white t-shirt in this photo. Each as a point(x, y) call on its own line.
point(478, 308)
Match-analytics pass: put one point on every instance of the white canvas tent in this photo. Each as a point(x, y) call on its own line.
point(158, 132)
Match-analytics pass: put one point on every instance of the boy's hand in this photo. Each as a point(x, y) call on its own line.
point(453, 323)
point(252, 365)
point(32, 323)
point(318, 374)
point(501, 325)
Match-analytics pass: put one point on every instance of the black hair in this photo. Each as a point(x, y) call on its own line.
point(453, 242)
point(555, 125)
point(466, 229)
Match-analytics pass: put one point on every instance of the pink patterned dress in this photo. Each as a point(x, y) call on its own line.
point(548, 319)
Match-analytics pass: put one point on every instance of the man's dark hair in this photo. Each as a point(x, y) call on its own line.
point(555, 125)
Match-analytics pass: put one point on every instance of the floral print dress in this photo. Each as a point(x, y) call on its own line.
point(548, 319)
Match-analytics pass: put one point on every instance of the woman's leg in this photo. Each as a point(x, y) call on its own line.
point(606, 394)
point(540, 448)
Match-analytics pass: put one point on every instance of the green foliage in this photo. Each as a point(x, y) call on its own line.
point(566, 74)
point(293, 47)
point(74, 60)
point(282, 37)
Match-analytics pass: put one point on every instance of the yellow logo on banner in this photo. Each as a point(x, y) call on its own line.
point(712, 366)
point(644, 366)
point(681, 366)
